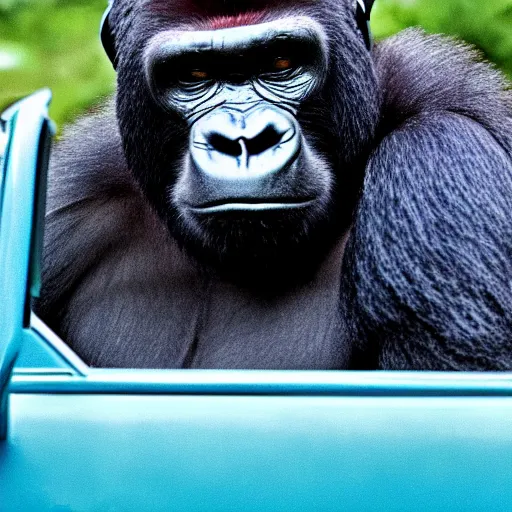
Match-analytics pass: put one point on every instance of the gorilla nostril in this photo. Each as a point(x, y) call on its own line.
point(267, 139)
point(224, 145)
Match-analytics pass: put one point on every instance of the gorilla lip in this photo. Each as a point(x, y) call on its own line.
point(251, 205)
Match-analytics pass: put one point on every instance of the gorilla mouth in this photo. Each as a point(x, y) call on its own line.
point(252, 204)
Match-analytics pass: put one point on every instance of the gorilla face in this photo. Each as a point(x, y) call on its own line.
point(234, 134)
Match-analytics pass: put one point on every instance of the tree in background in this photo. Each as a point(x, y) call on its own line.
point(55, 43)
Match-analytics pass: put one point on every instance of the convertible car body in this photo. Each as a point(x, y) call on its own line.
point(81, 439)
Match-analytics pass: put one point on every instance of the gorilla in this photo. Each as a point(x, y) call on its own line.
point(271, 190)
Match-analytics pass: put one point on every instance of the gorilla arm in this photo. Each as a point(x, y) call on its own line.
point(101, 239)
point(428, 267)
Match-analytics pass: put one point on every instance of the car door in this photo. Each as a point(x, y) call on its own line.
point(81, 439)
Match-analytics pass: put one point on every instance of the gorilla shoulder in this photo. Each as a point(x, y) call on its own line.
point(428, 266)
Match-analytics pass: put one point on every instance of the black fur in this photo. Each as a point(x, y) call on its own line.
point(428, 268)
point(426, 281)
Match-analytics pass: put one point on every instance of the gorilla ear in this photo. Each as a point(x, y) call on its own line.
point(363, 11)
point(107, 36)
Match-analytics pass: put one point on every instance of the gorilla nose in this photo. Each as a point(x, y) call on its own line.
point(269, 138)
point(232, 144)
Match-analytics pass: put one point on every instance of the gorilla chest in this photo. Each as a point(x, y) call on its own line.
point(176, 319)
point(231, 328)
point(299, 331)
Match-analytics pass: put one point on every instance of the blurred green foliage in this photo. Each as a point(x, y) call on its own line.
point(55, 43)
point(487, 24)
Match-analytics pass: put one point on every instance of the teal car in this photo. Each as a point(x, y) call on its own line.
point(75, 438)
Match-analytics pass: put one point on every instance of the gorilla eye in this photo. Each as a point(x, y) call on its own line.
point(194, 75)
point(282, 64)
point(199, 74)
